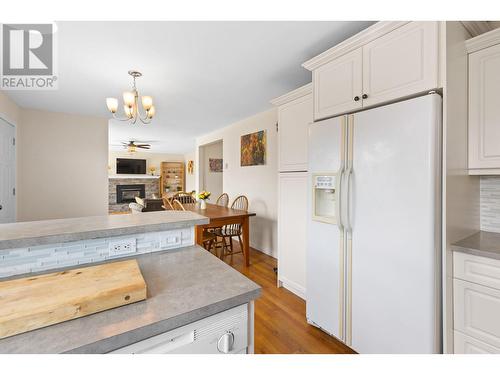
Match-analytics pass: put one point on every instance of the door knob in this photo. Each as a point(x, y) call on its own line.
point(365, 96)
point(225, 343)
point(356, 98)
point(1, 206)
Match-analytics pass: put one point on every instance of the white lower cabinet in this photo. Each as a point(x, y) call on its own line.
point(476, 304)
point(228, 332)
point(467, 345)
point(292, 222)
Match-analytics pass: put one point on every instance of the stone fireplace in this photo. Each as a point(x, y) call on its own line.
point(122, 189)
point(127, 193)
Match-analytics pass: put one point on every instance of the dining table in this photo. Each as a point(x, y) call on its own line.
point(219, 216)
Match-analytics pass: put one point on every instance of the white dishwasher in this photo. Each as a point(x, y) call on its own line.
point(225, 332)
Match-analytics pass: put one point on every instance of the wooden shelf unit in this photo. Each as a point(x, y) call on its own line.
point(173, 175)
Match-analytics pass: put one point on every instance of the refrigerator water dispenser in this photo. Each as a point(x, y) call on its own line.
point(324, 197)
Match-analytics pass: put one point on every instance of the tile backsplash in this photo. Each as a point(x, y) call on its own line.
point(45, 257)
point(490, 203)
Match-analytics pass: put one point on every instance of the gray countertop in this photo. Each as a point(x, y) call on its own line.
point(184, 286)
point(44, 232)
point(485, 244)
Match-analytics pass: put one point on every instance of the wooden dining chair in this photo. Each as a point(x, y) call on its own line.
point(223, 200)
point(166, 204)
point(184, 197)
point(177, 205)
point(228, 232)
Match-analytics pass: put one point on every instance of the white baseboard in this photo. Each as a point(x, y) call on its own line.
point(293, 287)
point(269, 252)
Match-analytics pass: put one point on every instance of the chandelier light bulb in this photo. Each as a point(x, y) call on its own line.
point(147, 102)
point(128, 111)
point(112, 104)
point(151, 112)
point(129, 98)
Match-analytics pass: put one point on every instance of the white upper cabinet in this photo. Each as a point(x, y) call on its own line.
point(386, 62)
point(401, 63)
point(295, 113)
point(338, 85)
point(484, 105)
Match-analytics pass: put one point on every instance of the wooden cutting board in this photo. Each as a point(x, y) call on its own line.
point(39, 301)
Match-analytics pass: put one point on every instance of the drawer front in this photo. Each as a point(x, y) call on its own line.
point(464, 344)
point(476, 269)
point(477, 311)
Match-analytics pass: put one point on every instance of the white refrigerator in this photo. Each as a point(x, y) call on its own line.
point(373, 233)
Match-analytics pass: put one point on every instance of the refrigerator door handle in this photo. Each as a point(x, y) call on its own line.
point(340, 173)
point(348, 173)
point(338, 182)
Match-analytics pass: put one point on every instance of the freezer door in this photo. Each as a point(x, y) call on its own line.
point(395, 218)
point(325, 246)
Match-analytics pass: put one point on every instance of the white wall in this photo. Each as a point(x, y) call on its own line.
point(210, 181)
point(190, 177)
point(152, 159)
point(62, 165)
point(258, 183)
point(9, 110)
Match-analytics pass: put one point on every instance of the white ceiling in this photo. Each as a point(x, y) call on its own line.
point(202, 75)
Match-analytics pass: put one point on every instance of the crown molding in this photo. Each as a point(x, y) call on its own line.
point(292, 95)
point(363, 37)
point(483, 41)
point(476, 28)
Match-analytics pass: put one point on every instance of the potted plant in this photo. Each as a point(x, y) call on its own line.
point(203, 197)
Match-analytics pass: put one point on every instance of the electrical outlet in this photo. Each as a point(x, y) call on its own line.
point(122, 246)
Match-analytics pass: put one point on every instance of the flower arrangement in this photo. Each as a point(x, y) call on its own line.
point(204, 195)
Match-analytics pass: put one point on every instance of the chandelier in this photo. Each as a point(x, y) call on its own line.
point(131, 104)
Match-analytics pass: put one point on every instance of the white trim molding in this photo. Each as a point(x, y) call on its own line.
point(363, 37)
point(292, 95)
point(483, 41)
point(293, 287)
point(476, 28)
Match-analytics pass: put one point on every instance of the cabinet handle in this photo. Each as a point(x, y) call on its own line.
point(365, 96)
point(356, 98)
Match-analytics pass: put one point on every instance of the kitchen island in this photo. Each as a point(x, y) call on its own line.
point(195, 302)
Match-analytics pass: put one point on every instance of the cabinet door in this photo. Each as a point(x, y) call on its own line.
point(294, 119)
point(484, 108)
point(292, 222)
point(476, 310)
point(464, 344)
point(401, 63)
point(336, 84)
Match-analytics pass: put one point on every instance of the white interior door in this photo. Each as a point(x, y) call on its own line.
point(395, 237)
point(325, 248)
point(7, 173)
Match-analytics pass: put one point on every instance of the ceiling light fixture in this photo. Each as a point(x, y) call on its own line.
point(131, 104)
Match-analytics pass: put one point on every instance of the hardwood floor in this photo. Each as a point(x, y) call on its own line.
point(280, 316)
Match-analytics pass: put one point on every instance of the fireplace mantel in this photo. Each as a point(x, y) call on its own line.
point(133, 176)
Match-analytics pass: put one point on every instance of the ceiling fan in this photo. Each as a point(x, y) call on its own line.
point(131, 146)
